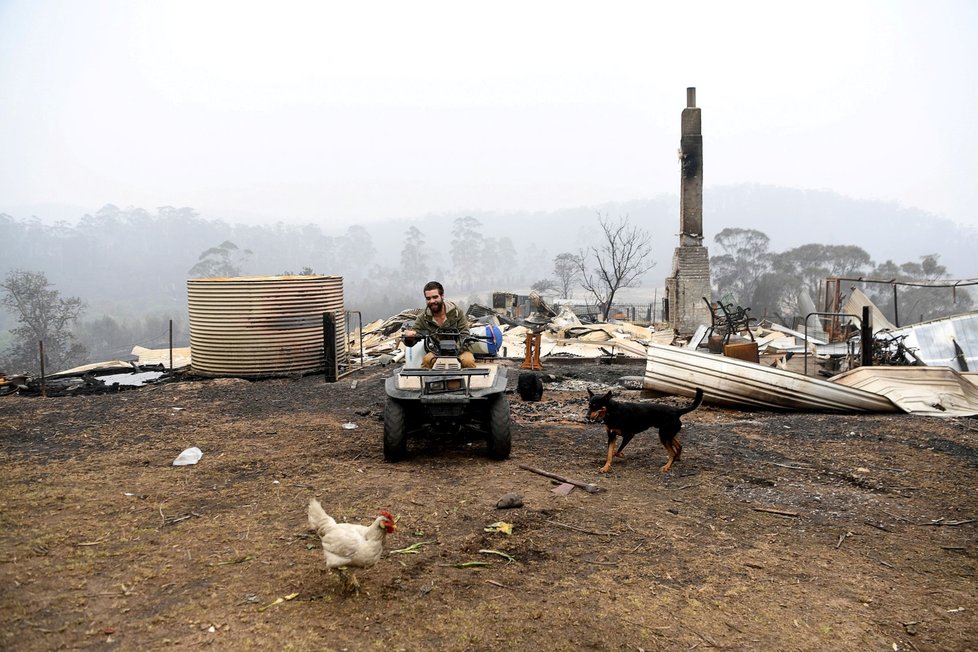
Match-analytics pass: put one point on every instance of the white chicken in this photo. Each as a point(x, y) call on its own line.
point(348, 545)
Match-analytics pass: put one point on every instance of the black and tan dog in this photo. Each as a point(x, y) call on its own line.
point(627, 419)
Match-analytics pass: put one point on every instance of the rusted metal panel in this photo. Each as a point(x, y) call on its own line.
point(254, 326)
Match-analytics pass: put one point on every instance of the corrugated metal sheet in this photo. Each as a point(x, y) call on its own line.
point(854, 306)
point(929, 391)
point(735, 383)
point(934, 340)
point(254, 326)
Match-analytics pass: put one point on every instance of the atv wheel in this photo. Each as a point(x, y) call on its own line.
point(500, 440)
point(395, 438)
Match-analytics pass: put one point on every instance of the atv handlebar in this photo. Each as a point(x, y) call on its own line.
point(445, 341)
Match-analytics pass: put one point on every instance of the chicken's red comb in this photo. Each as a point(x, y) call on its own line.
point(391, 524)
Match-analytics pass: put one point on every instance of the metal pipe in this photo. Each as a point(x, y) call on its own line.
point(896, 308)
point(359, 330)
point(329, 347)
point(40, 347)
point(866, 335)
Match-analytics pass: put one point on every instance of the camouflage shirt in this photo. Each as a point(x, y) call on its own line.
point(454, 319)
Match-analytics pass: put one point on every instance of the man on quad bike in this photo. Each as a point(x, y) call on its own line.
point(440, 314)
point(450, 394)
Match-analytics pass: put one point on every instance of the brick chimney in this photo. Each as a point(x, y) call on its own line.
point(690, 279)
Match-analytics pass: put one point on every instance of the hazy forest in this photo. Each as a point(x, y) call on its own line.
point(119, 274)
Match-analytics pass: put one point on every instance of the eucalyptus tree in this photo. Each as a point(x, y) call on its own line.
point(43, 316)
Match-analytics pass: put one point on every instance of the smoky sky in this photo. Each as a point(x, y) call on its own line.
point(334, 112)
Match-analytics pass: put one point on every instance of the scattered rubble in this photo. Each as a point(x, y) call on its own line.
point(782, 360)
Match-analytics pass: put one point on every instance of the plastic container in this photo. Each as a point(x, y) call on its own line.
point(413, 355)
point(486, 347)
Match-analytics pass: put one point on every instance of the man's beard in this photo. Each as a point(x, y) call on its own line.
point(436, 307)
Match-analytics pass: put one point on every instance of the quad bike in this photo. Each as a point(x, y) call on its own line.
point(447, 399)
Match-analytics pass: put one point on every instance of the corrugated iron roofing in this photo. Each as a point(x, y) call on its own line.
point(254, 326)
point(934, 341)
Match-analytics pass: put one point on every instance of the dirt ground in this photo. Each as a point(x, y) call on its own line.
point(774, 532)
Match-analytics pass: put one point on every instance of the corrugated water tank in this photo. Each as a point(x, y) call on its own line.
point(253, 326)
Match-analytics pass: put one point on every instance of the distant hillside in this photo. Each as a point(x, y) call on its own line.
point(790, 218)
point(887, 231)
point(132, 262)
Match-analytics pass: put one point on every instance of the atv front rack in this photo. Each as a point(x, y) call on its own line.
point(440, 381)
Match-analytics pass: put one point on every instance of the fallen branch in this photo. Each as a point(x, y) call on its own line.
point(239, 560)
point(942, 522)
point(789, 466)
point(643, 625)
point(50, 631)
point(177, 519)
point(779, 512)
point(733, 627)
point(896, 518)
point(586, 486)
point(706, 638)
point(173, 520)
